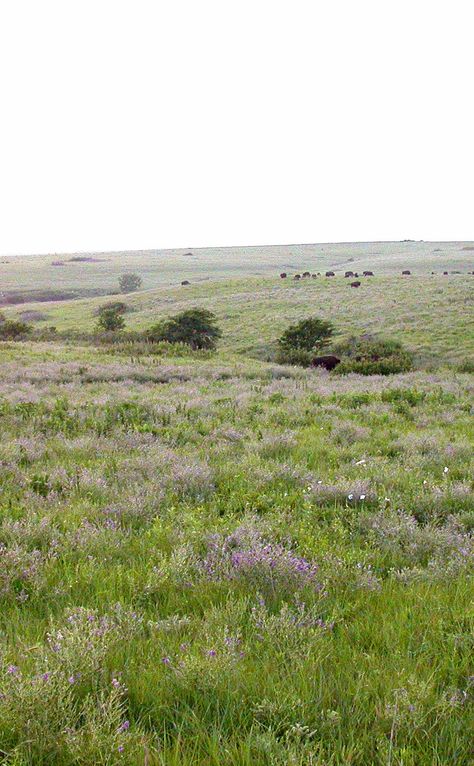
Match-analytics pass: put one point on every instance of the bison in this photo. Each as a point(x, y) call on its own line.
point(330, 274)
point(306, 274)
point(328, 362)
point(355, 284)
point(349, 274)
point(283, 275)
point(314, 276)
point(297, 276)
point(368, 273)
point(406, 272)
point(185, 282)
point(445, 273)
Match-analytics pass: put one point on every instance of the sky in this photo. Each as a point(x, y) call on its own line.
point(185, 123)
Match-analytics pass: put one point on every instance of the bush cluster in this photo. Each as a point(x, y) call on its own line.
point(371, 356)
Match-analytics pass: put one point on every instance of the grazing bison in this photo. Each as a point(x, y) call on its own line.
point(349, 274)
point(445, 273)
point(306, 274)
point(283, 275)
point(355, 284)
point(406, 272)
point(328, 362)
point(185, 282)
point(330, 274)
point(314, 276)
point(297, 276)
point(368, 273)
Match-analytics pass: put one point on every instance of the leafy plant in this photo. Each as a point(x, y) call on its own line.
point(371, 356)
point(11, 329)
point(308, 335)
point(129, 283)
point(196, 327)
point(111, 317)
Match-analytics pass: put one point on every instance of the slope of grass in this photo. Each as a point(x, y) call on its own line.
point(433, 315)
point(170, 267)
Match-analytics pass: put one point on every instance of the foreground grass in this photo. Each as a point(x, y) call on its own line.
point(221, 561)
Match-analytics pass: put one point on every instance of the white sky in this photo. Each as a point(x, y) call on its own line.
point(177, 123)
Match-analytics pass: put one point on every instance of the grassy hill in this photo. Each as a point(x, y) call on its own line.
point(170, 267)
point(214, 560)
point(434, 315)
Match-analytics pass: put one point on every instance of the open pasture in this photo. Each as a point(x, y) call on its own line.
point(209, 559)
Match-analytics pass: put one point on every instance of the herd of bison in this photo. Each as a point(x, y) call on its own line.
point(351, 275)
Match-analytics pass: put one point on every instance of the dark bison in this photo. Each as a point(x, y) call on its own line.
point(328, 362)
point(297, 276)
point(406, 272)
point(306, 274)
point(349, 274)
point(445, 273)
point(283, 275)
point(368, 273)
point(330, 274)
point(314, 276)
point(185, 282)
point(355, 284)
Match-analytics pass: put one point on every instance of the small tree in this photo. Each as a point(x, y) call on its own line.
point(111, 317)
point(129, 283)
point(195, 327)
point(308, 335)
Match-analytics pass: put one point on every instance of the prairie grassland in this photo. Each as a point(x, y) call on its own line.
point(170, 267)
point(213, 560)
point(224, 561)
point(434, 316)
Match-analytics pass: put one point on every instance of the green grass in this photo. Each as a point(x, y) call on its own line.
point(170, 267)
point(216, 560)
point(432, 315)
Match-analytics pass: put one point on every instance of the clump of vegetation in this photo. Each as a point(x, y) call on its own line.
point(111, 317)
point(372, 356)
point(130, 283)
point(301, 341)
point(12, 329)
point(196, 327)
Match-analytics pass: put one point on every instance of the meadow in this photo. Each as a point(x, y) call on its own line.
point(212, 559)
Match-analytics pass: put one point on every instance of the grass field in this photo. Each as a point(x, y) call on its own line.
point(214, 560)
point(170, 267)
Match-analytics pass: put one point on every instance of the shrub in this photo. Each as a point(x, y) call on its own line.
point(119, 306)
point(369, 356)
point(296, 356)
point(307, 335)
point(11, 329)
point(195, 327)
point(111, 317)
point(129, 283)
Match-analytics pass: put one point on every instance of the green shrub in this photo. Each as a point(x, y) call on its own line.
point(296, 356)
point(111, 318)
point(310, 334)
point(195, 327)
point(11, 329)
point(370, 356)
point(129, 283)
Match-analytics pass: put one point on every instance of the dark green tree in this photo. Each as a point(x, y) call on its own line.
point(310, 334)
point(195, 327)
